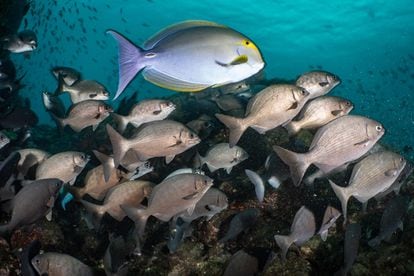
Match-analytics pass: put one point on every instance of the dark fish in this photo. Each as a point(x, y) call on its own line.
point(391, 219)
point(19, 117)
point(116, 254)
point(242, 264)
point(26, 256)
point(302, 229)
point(32, 202)
point(7, 170)
point(7, 69)
point(178, 233)
point(53, 104)
point(202, 126)
point(67, 74)
point(241, 222)
point(351, 245)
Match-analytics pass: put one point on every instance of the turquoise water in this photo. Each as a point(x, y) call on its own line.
point(369, 44)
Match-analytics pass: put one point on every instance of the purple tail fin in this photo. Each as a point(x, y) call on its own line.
point(129, 57)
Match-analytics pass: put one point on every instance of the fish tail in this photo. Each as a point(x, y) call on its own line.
point(61, 86)
point(97, 212)
point(235, 125)
point(121, 122)
point(107, 166)
point(129, 59)
point(258, 184)
point(297, 163)
point(119, 144)
point(343, 196)
point(139, 216)
point(284, 242)
point(293, 128)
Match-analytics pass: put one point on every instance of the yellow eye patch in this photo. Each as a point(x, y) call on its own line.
point(248, 44)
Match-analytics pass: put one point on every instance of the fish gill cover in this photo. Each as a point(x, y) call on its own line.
point(63, 55)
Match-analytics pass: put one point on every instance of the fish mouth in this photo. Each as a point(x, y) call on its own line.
point(194, 141)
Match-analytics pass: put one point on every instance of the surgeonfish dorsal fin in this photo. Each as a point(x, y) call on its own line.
point(152, 41)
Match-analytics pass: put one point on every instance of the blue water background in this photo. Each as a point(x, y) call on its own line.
point(369, 44)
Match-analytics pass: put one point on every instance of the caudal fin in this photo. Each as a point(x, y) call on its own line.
point(119, 145)
point(121, 121)
point(129, 57)
point(284, 242)
point(235, 125)
point(97, 212)
point(139, 216)
point(343, 196)
point(296, 161)
point(293, 128)
point(107, 163)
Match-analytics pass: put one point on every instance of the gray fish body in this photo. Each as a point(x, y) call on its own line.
point(242, 264)
point(67, 74)
point(85, 90)
point(319, 112)
point(129, 193)
point(53, 104)
point(144, 112)
point(58, 264)
point(213, 201)
point(4, 140)
point(32, 202)
point(274, 106)
point(302, 229)
point(203, 125)
point(228, 102)
point(241, 222)
point(24, 41)
point(85, 114)
point(318, 83)
point(329, 219)
point(335, 144)
point(221, 156)
point(65, 166)
point(155, 139)
point(171, 197)
point(391, 220)
point(372, 175)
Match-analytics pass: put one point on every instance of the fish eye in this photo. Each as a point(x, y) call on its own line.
point(37, 261)
point(378, 128)
point(246, 42)
point(401, 159)
point(303, 92)
point(191, 136)
point(348, 103)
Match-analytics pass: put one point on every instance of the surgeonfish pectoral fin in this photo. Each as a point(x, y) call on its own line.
point(236, 61)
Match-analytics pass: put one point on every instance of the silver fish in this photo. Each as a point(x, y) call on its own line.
point(319, 112)
point(302, 229)
point(335, 144)
point(222, 156)
point(329, 219)
point(67, 74)
point(144, 112)
point(65, 166)
point(318, 83)
point(129, 193)
point(58, 264)
point(155, 139)
point(85, 114)
point(257, 181)
point(25, 41)
point(179, 56)
point(274, 106)
point(372, 175)
point(84, 90)
point(391, 220)
point(32, 202)
point(169, 198)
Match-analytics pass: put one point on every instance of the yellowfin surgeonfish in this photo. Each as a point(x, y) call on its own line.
point(189, 57)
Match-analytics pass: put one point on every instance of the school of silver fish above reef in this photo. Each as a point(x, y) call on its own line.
point(240, 175)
